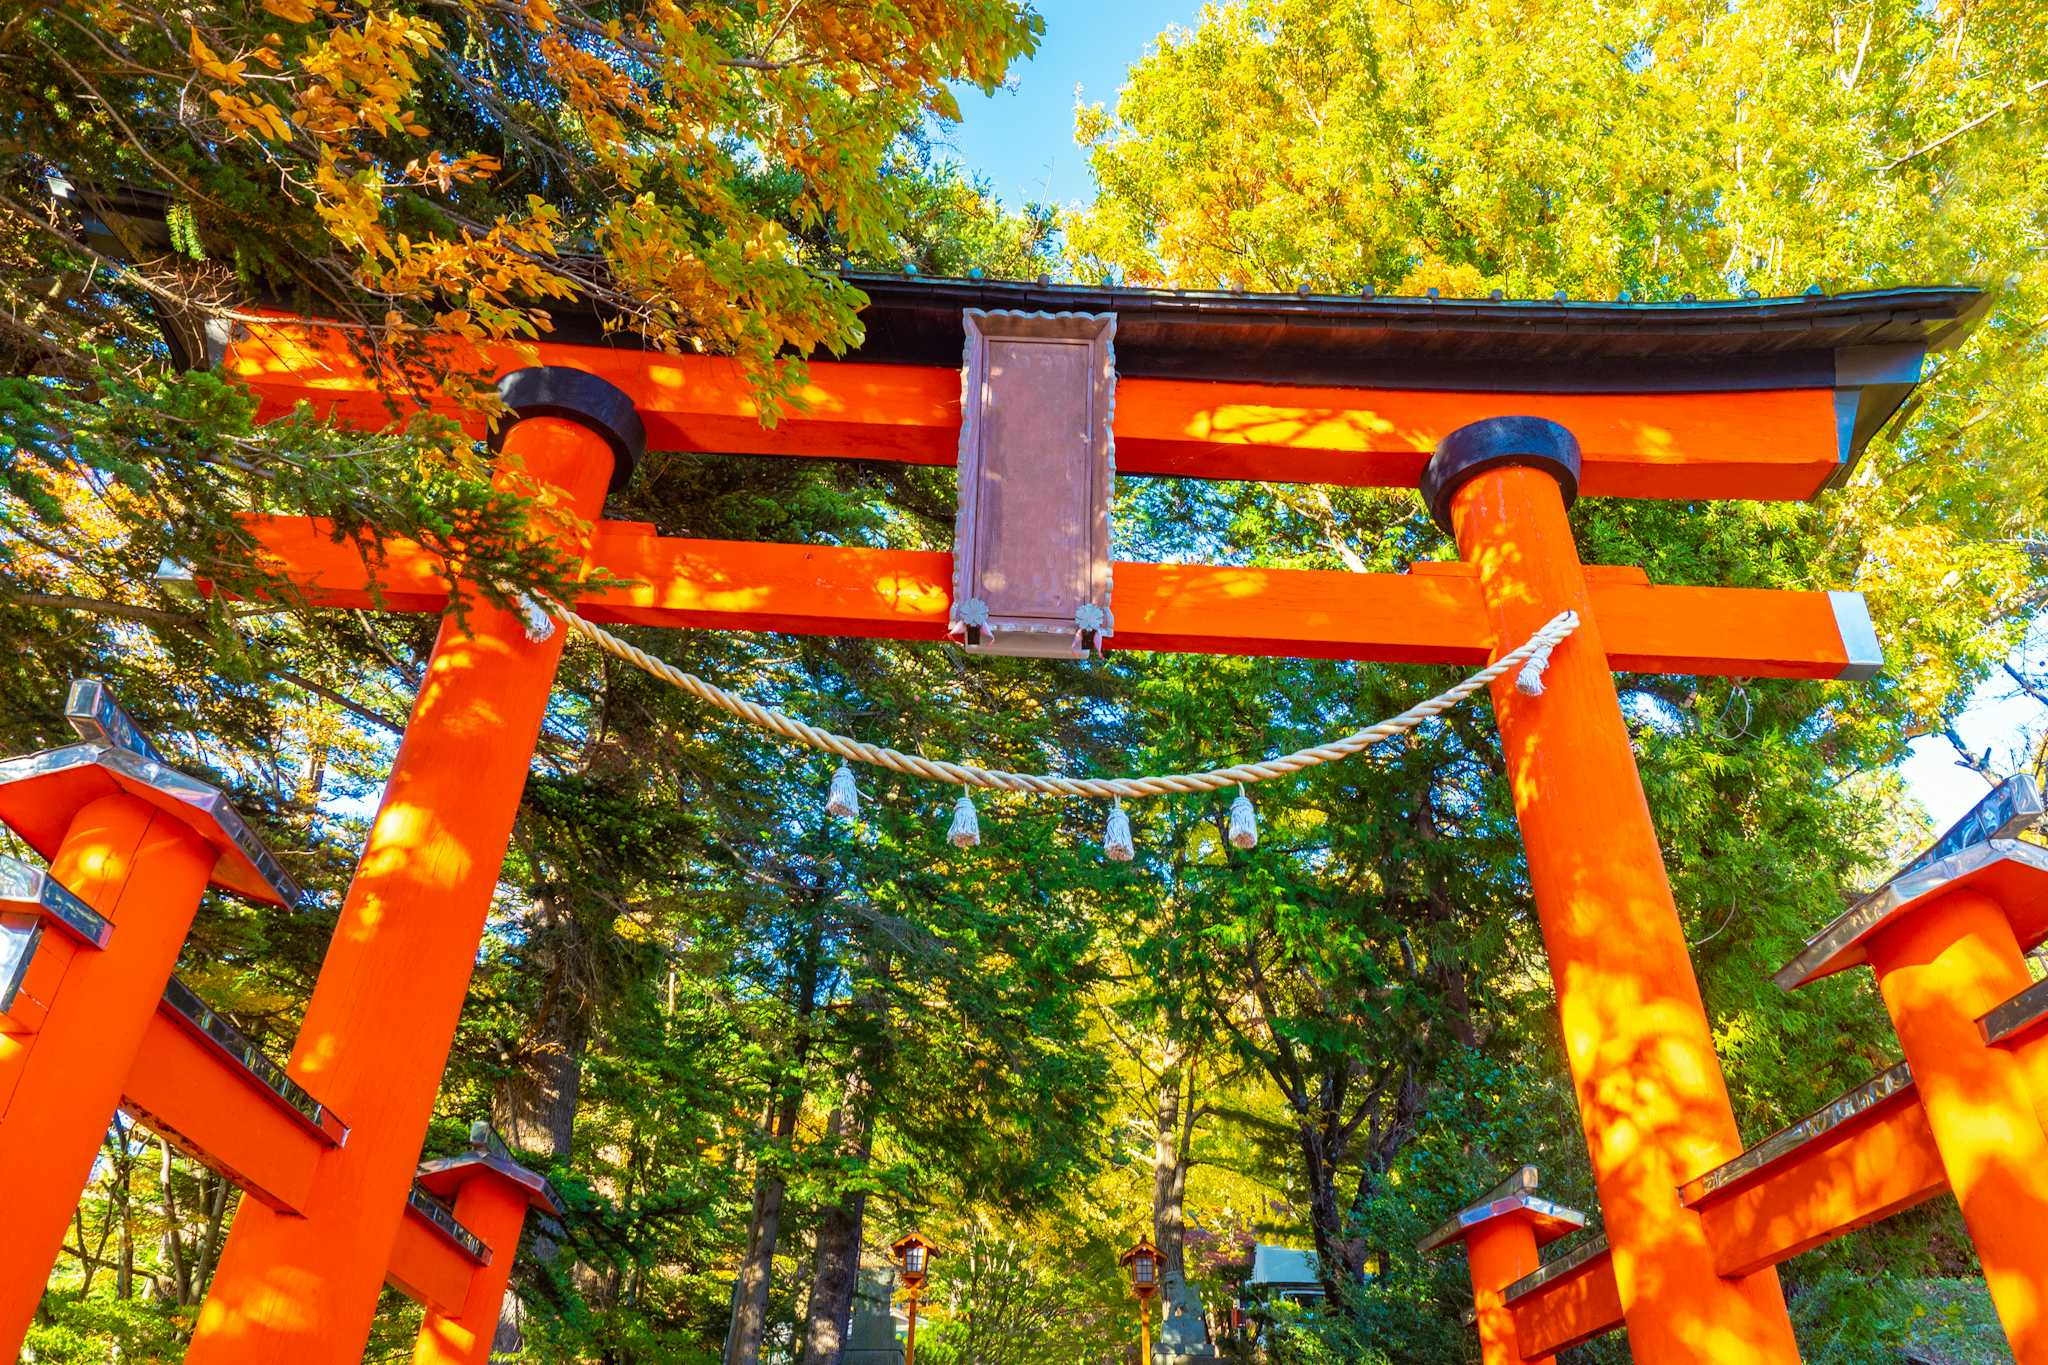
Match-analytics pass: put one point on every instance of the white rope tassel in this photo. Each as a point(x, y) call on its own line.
point(1116, 834)
point(844, 800)
point(1529, 682)
point(1244, 821)
point(538, 621)
point(966, 831)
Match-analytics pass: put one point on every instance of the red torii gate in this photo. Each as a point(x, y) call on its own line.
point(1500, 412)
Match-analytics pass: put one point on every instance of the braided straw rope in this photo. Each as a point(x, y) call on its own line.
point(969, 775)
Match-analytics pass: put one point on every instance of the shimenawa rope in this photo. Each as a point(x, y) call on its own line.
point(1531, 656)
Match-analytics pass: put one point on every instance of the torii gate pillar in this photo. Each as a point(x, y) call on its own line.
point(144, 869)
point(1650, 1092)
point(1938, 967)
point(383, 1014)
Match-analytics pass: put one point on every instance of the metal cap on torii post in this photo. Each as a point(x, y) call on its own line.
point(1468, 452)
point(577, 396)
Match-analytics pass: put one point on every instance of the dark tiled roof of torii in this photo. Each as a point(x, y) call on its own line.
point(1427, 342)
point(1374, 340)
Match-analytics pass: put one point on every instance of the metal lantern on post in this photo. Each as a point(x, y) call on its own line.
point(913, 1254)
point(1143, 1263)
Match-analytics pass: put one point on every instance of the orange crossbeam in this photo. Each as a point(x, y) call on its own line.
point(1882, 1163)
point(1783, 443)
point(427, 1267)
point(221, 1116)
point(1568, 1310)
point(1430, 615)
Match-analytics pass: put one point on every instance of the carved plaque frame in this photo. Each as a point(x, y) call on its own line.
point(1037, 469)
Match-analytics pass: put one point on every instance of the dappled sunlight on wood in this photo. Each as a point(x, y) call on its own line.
point(1651, 1099)
point(377, 1030)
point(1782, 443)
point(1939, 965)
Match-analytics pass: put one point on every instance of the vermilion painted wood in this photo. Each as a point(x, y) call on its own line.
point(1649, 1087)
point(145, 870)
point(1861, 1173)
point(1938, 968)
point(1767, 444)
point(1497, 1253)
point(188, 1089)
point(428, 1268)
point(181, 1087)
point(1576, 1308)
point(2030, 1050)
point(494, 1208)
point(378, 1028)
point(1435, 614)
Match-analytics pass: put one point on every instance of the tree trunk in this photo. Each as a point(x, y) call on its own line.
point(209, 1245)
point(1325, 1216)
point(124, 1255)
point(1169, 1167)
point(174, 1238)
point(836, 1274)
point(535, 1109)
point(757, 1270)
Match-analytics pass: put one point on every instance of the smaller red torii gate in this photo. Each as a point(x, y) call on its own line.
point(1964, 1114)
point(1499, 413)
point(81, 1034)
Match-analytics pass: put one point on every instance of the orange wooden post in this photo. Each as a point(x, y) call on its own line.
point(1939, 966)
point(383, 1014)
point(491, 1197)
point(1497, 1255)
point(1650, 1092)
point(144, 869)
point(1502, 1235)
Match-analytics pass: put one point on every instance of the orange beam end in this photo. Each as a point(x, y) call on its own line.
point(1881, 1163)
point(428, 1267)
point(1569, 1309)
point(220, 1115)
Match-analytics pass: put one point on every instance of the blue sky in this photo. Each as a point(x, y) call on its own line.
point(2002, 719)
point(1022, 138)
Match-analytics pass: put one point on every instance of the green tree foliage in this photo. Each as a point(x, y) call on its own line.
point(743, 1039)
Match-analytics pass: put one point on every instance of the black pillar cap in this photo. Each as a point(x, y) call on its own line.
point(1536, 442)
point(579, 396)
